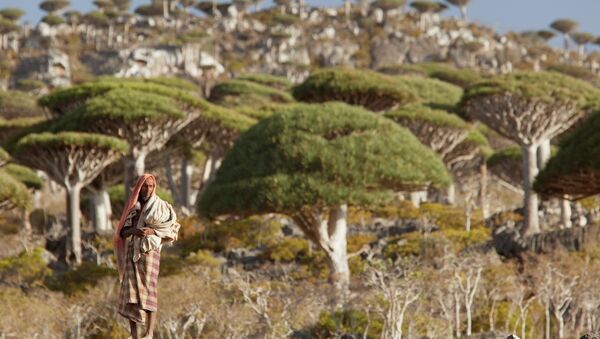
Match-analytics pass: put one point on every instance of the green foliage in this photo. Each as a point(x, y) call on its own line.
point(387, 5)
point(582, 38)
point(4, 157)
point(461, 239)
point(578, 72)
point(250, 91)
point(565, 25)
point(221, 236)
point(154, 9)
point(29, 85)
point(62, 101)
point(576, 165)
point(13, 192)
point(423, 113)
point(66, 140)
point(192, 36)
point(459, 77)
point(26, 268)
point(432, 92)
point(17, 104)
point(12, 13)
point(425, 6)
point(426, 246)
point(269, 80)
point(203, 258)
point(356, 87)
point(127, 105)
point(25, 175)
point(175, 82)
point(319, 155)
point(542, 86)
point(53, 20)
point(287, 249)
point(348, 322)
point(512, 154)
point(52, 6)
point(80, 279)
point(96, 18)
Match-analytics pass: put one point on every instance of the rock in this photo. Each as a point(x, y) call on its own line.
point(166, 60)
point(53, 68)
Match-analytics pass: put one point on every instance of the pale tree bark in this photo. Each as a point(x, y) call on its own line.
point(187, 170)
point(483, 201)
point(102, 212)
point(468, 284)
point(565, 212)
point(527, 121)
point(400, 292)
point(330, 236)
point(463, 13)
point(451, 194)
point(74, 219)
point(531, 224)
point(135, 166)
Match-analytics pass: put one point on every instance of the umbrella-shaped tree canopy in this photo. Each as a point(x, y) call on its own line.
point(575, 169)
point(321, 155)
point(371, 90)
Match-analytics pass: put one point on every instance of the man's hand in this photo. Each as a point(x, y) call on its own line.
point(147, 231)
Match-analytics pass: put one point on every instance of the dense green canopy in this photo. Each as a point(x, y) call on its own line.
point(371, 90)
point(576, 71)
point(62, 101)
point(575, 169)
point(432, 92)
point(434, 117)
point(25, 175)
point(244, 92)
point(274, 81)
point(4, 157)
point(45, 142)
point(545, 87)
point(17, 104)
point(13, 193)
point(319, 155)
point(444, 72)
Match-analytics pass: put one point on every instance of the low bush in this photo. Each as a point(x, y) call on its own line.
point(80, 279)
point(347, 324)
point(27, 268)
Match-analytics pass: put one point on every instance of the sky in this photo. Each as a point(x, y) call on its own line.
point(502, 15)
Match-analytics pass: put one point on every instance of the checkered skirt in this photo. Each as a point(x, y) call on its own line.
point(139, 286)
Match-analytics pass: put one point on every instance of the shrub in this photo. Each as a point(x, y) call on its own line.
point(80, 279)
point(287, 250)
point(347, 323)
point(220, 236)
point(27, 267)
point(203, 258)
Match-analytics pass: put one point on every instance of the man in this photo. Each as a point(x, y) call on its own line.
point(146, 223)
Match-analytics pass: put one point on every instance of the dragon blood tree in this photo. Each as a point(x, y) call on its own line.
point(374, 91)
point(529, 109)
point(143, 113)
point(437, 129)
point(311, 162)
point(73, 160)
point(575, 169)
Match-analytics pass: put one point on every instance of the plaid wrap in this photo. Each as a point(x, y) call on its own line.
point(139, 286)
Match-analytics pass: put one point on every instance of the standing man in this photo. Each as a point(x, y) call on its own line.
point(146, 223)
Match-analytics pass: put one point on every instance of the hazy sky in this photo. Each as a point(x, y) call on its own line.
point(503, 15)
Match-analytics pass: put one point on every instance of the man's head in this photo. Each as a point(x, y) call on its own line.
point(147, 189)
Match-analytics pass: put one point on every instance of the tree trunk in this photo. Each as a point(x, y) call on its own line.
point(415, 198)
point(469, 320)
point(187, 170)
point(25, 221)
point(451, 194)
point(561, 327)
point(531, 222)
point(491, 316)
point(74, 221)
point(543, 153)
point(347, 10)
point(337, 251)
point(547, 317)
point(135, 167)
point(102, 212)
point(111, 33)
point(566, 41)
point(483, 202)
point(165, 9)
point(565, 212)
point(457, 314)
point(171, 180)
point(463, 13)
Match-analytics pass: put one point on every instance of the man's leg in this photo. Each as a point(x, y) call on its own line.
point(151, 323)
point(133, 328)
